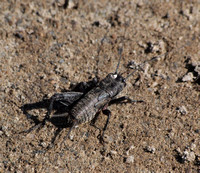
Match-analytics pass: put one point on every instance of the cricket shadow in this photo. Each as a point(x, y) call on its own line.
point(44, 104)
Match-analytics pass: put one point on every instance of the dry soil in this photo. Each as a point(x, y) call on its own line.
point(47, 47)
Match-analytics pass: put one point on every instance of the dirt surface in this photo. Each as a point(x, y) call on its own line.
point(47, 47)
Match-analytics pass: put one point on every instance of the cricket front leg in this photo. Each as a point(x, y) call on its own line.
point(124, 99)
point(92, 123)
point(108, 113)
point(74, 123)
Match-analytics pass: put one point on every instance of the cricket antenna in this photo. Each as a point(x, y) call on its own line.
point(139, 67)
point(120, 57)
point(120, 49)
point(97, 56)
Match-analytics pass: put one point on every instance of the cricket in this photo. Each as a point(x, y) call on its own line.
point(83, 107)
point(96, 97)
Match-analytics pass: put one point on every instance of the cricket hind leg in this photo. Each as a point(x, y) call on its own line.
point(86, 86)
point(66, 98)
point(38, 126)
point(54, 138)
point(74, 123)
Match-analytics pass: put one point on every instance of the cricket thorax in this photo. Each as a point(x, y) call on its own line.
point(113, 84)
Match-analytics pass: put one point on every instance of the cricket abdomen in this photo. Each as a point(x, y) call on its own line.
point(87, 107)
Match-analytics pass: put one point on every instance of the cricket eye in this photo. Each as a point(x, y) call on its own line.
point(114, 76)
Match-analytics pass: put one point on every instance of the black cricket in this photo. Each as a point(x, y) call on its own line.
point(83, 107)
point(95, 96)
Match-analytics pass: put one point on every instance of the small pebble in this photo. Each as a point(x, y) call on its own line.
point(182, 110)
point(130, 159)
point(188, 156)
point(150, 149)
point(193, 146)
point(188, 77)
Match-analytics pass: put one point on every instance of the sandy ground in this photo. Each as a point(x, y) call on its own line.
point(46, 49)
